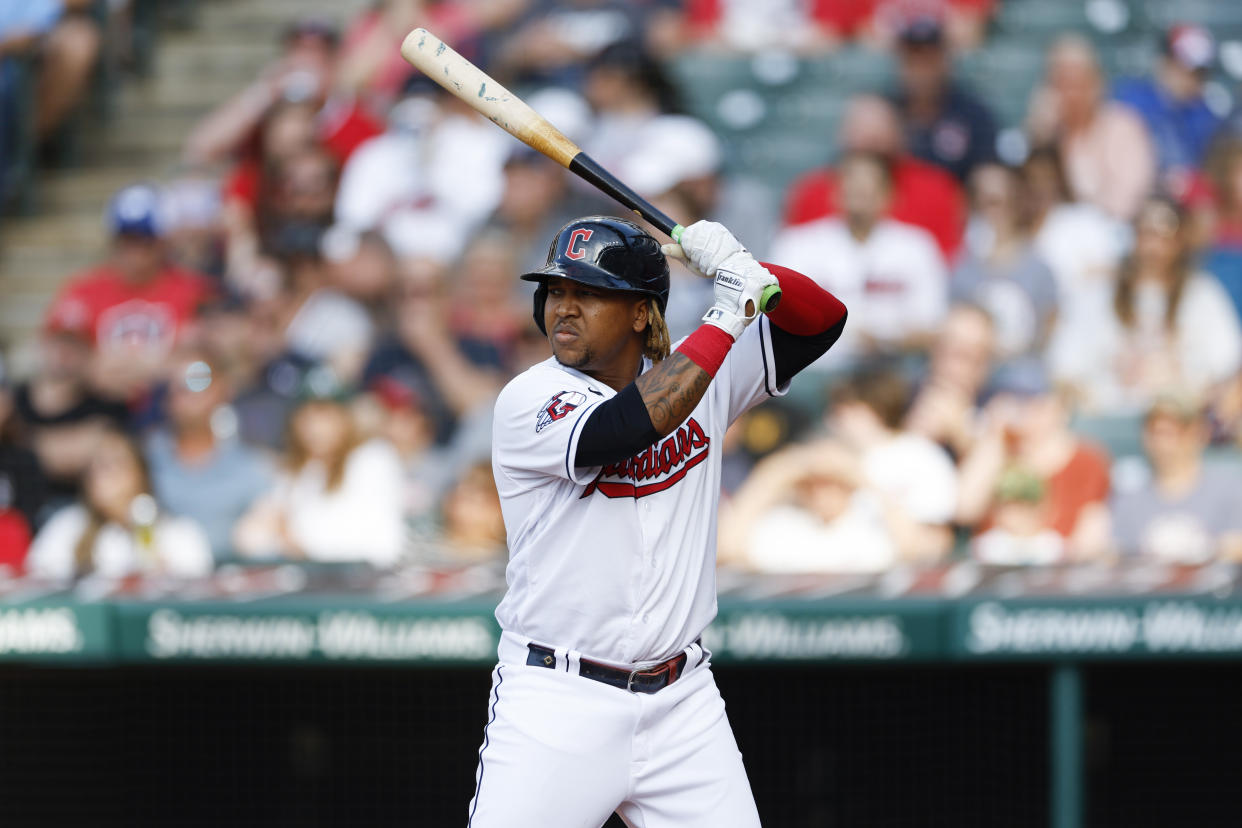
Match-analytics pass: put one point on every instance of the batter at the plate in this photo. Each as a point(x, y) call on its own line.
point(607, 459)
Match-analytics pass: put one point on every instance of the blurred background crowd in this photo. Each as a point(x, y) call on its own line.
point(291, 346)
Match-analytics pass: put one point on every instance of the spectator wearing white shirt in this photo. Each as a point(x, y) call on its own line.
point(117, 528)
point(1170, 326)
point(1081, 244)
point(913, 477)
point(891, 275)
point(339, 498)
point(805, 509)
point(1001, 271)
point(426, 183)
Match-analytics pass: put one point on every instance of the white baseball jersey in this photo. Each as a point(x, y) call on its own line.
point(618, 562)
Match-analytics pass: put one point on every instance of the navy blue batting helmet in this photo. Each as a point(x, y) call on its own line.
point(606, 252)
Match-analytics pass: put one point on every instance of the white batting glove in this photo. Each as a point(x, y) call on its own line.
point(706, 246)
point(738, 288)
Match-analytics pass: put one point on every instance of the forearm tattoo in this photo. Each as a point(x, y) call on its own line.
point(671, 390)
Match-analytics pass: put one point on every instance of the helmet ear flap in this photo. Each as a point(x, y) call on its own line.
point(541, 299)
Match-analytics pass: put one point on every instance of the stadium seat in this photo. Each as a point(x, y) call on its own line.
point(1121, 435)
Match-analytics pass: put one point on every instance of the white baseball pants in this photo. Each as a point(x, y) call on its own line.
point(564, 751)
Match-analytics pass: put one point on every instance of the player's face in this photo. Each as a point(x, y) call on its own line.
point(591, 328)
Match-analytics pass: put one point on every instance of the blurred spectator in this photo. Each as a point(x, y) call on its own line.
point(536, 202)
point(194, 236)
point(338, 498)
point(286, 130)
point(805, 509)
point(472, 528)
point(888, 273)
point(430, 469)
point(754, 26)
point(1024, 434)
point(1179, 121)
point(135, 304)
point(1001, 271)
point(922, 194)
point(1189, 512)
point(912, 476)
point(303, 74)
point(429, 180)
point(118, 528)
point(62, 417)
point(945, 124)
point(553, 40)
point(1171, 326)
point(23, 490)
point(371, 65)
point(1223, 257)
point(946, 407)
point(198, 467)
point(67, 40)
point(1109, 159)
point(320, 323)
point(627, 90)
point(423, 355)
point(485, 314)
point(1081, 244)
point(1020, 534)
point(362, 266)
point(964, 21)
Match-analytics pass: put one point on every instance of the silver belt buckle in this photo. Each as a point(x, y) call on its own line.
point(629, 683)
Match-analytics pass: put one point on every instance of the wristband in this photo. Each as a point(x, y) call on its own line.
point(707, 348)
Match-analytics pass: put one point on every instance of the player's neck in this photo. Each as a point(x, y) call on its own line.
point(620, 373)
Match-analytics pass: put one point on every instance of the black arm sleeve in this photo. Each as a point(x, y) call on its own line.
point(616, 430)
point(792, 353)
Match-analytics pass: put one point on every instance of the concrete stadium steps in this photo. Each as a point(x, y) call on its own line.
point(194, 69)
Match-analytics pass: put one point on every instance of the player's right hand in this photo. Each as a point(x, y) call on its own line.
point(738, 287)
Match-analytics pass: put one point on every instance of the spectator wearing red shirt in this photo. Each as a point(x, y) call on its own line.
point(923, 195)
point(134, 305)
point(1026, 426)
point(304, 74)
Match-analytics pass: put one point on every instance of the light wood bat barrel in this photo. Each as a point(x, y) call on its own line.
point(438, 61)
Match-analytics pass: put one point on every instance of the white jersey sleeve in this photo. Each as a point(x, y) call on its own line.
point(748, 376)
point(538, 422)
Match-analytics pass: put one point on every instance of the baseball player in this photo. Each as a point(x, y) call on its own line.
point(607, 459)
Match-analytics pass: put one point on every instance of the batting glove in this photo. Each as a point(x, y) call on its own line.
point(738, 286)
point(706, 246)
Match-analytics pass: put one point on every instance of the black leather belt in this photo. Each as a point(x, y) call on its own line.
point(647, 680)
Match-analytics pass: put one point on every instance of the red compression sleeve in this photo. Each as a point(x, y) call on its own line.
point(707, 348)
point(805, 308)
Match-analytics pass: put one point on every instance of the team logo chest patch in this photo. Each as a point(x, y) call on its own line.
point(661, 466)
point(557, 408)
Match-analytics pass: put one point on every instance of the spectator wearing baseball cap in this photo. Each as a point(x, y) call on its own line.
point(136, 304)
point(945, 123)
point(1172, 104)
point(1189, 511)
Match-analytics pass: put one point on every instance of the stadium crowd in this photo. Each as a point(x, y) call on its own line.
point(291, 351)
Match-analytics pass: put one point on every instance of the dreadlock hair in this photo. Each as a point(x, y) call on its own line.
point(658, 343)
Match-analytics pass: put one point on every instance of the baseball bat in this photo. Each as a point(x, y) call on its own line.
point(436, 59)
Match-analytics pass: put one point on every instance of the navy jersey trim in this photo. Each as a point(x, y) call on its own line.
point(569, 446)
point(478, 786)
point(763, 352)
